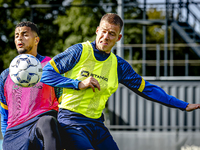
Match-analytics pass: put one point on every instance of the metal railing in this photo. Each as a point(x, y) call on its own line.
point(174, 61)
point(128, 111)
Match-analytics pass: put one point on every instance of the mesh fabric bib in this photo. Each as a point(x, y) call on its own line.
point(87, 102)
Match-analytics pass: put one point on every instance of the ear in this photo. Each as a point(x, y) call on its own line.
point(97, 29)
point(119, 37)
point(37, 39)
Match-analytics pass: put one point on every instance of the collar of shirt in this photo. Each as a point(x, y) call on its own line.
point(40, 57)
point(99, 55)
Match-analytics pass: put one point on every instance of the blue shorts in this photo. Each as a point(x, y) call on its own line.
point(24, 136)
point(82, 133)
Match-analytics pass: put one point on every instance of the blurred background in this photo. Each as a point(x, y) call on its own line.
point(160, 40)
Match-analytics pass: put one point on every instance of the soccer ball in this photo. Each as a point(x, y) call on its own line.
point(25, 70)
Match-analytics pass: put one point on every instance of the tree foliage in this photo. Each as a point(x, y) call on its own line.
point(13, 12)
point(78, 24)
point(63, 23)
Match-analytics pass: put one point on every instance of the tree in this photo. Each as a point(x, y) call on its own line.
point(80, 21)
point(13, 12)
point(61, 25)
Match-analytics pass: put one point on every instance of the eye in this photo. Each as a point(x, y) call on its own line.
point(112, 34)
point(103, 31)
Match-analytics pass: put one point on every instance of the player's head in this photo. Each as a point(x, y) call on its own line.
point(108, 32)
point(26, 38)
point(114, 19)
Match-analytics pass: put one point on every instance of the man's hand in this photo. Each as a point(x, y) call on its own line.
point(191, 107)
point(89, 82)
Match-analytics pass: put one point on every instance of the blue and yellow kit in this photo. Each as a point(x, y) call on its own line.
point(65, 61)
point(80, 114)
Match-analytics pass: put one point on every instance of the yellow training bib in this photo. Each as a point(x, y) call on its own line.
point(87, 102)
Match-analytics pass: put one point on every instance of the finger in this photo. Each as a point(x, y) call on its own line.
point(96, 84)
point(92, 86)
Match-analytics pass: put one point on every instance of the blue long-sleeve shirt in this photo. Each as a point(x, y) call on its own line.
point(3, 108)
point(66, 60)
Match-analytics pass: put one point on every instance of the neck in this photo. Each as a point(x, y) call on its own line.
point(33, 52)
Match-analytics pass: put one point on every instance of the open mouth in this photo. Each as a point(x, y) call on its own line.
point(104, 43)
point(20, 45)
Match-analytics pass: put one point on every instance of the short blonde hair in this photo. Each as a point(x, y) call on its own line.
point(113, 18)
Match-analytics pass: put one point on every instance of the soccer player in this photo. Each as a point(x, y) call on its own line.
point(28, 115)
point(91, 74)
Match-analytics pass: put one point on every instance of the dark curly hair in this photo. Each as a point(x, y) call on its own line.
point(28, 24)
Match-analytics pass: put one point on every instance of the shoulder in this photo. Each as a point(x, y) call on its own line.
point(40, 57)
point(4, 74)
point(125, 70)
point(68, 59)
point(122, 62)
point(73, 50)
point(76, 47)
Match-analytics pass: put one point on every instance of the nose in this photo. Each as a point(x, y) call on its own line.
point(19, 38)
point(106, 35)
